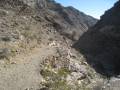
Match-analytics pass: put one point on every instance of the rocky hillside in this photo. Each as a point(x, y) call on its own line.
point(40, 20)
point(101, 44)
point(35, 47)
point(67, 20)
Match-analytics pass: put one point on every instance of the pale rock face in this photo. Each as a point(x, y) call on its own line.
point(42, 3)
point(75, 66)
point(30, 2)
point(74, 77)
point(54, 44)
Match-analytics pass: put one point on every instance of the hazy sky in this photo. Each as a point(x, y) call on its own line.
point(94, 8)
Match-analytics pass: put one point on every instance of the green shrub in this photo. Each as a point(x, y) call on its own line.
point(55, 81)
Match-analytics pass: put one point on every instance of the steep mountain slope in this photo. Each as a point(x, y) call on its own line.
point(72, 22)
point(101, 44)
point(67, 20)
point(33, 53)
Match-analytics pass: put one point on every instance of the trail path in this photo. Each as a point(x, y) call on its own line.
point(26, 72)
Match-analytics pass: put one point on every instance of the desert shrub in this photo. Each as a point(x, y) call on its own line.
point(55, 81)
point(6, 39)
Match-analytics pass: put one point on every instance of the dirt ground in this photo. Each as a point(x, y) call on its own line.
point(24, 73)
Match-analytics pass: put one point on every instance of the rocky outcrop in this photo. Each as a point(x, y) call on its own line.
point(101, 44)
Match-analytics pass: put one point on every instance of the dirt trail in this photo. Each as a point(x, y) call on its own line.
point(24, 75)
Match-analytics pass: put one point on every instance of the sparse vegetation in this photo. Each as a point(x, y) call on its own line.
point(42, 35)
point(56, 78)
point(55, 81)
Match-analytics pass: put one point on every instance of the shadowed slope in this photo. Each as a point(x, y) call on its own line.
point(101, 44)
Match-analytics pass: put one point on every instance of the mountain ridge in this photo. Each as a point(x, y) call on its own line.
point(102, 41)
point(68, 18)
